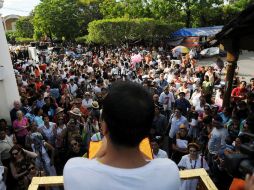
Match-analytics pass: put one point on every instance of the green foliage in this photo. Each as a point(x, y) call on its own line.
point(165, 10)
point(62, 18)
point(11, 36)
point(25, 27)
point(24, 40)
point(157, 9)
point(124, 30)
point(81, 39)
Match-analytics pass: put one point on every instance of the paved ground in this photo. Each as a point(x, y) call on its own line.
point(245, 63)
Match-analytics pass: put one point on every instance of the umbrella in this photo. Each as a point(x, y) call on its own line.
point(181, 49)
point(137, 58)
point(210, 51)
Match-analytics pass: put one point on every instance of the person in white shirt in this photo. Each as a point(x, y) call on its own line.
point(2, 173)
point(157, 152)
point(167, 100)
point(126, 120)
point(192, 161)
point(73, 88)
point(87, 101)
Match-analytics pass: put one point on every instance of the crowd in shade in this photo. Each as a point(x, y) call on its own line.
point(61, 98)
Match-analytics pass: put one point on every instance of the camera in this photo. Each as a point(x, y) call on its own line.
point(238, 165)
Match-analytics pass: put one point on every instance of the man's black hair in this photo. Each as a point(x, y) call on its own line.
point(2, 128)
point(128, 111)
point(4, 121)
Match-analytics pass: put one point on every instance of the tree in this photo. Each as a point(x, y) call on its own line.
point(196, 11)
point(58, 18)
point(25, 28)
point(11, 36)
point(124, 30)
point(125, 8)
point(165, 10)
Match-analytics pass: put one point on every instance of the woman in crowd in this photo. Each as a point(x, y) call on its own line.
point(60, 138)
point(77, 149)
point(20, 160)
point(20, 126)
point(43, 160)
point(193, 160)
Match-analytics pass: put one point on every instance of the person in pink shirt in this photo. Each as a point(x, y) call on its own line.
point(20, 126)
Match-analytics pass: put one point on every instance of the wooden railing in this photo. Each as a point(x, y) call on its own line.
point(205, 181)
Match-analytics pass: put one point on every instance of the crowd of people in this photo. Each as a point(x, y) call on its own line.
point(61, 98)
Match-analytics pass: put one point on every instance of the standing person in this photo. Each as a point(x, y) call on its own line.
point(216, 142)
point(251, 86)
point(73, 88)
point(180, 143)
point(157, 152)
point(207, 88)
point(120, 162)
point(167, 100)
point(192, 161)
point(183, 103)
point(20, 158)
point(17, 107)
point(239, 93)
point(162, 82)
point(159, 122)
point(20, 126)
point(47, 130)
point(87, 101)
point(175, 121)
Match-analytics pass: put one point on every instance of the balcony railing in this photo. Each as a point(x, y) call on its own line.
point(205, 181)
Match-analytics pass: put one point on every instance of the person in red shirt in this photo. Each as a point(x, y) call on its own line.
point(38, 84)
point(239, 93)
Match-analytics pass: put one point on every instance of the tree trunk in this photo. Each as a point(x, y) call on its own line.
point(202, 20)
point(232, 59)
point(188, 15)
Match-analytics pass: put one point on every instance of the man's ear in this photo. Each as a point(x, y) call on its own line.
point(104, 128)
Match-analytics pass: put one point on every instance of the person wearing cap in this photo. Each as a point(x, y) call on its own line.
point(121, 155)
point(182, 103)
point(193, 160)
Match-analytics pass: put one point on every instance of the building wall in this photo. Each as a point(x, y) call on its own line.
point(11, 24)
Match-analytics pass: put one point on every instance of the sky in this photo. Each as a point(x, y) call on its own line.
point(18, 7)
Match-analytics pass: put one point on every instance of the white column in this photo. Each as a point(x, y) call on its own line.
point(8, 86)
point(4, 25)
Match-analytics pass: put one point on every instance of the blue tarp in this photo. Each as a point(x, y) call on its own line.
point(203, 31)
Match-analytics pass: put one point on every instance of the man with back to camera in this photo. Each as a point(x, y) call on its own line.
point(127, 117)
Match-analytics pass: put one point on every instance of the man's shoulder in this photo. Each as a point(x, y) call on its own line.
point(164, 164)
point(76, 163)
